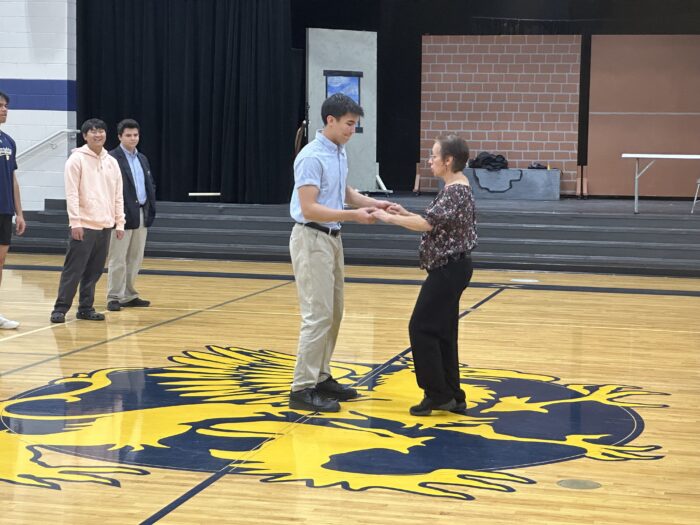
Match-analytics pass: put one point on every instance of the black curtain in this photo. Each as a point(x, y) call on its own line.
point(208, 80)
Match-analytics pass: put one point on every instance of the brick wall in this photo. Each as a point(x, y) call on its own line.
point(514, 95)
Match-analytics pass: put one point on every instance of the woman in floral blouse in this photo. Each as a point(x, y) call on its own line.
point(449, 234)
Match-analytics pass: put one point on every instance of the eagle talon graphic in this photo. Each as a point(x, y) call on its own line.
point(228, 406)
point(614, 452)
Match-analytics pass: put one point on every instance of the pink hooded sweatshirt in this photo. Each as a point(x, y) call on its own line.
point(94, 197)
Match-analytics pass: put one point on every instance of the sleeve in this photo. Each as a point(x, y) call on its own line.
point(308, 171)
point(441, 211)
point(119, 218)
point(71, 178)
point(13, 158)
point(148, 175)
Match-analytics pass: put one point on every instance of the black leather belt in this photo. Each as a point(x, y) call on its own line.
point(321, 228)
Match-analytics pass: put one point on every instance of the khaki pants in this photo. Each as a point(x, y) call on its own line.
point(319, 272)
point(124, 263)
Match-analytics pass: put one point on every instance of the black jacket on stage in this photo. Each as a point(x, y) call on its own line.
point(131, 201)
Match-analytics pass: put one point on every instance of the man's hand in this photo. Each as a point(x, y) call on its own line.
point(382, 215)
point(20, 225)
point(120, 235)
point(76, 233)
point(364, 215)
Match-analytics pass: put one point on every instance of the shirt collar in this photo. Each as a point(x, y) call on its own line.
point(328, 143)
point(136, 151)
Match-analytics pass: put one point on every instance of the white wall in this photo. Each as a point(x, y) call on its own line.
point(38, 42)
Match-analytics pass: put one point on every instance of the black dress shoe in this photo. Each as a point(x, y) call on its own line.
point(114, 306)
point(311, 401)
point(425, 407)
point(331, 388)
point(136, 302)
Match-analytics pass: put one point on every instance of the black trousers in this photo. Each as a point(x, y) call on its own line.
point(433, 331)
point(84, 264)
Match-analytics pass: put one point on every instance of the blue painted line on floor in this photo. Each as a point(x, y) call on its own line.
point(377, 280)
point(188, 495)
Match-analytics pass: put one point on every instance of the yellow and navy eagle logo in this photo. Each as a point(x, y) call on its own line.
point(228, 406)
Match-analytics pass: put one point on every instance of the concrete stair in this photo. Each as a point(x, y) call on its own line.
point(527, 237)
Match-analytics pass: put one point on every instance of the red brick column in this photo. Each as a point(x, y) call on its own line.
point(516, 95)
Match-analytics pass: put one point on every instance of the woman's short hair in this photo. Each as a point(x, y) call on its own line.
point(454, 146)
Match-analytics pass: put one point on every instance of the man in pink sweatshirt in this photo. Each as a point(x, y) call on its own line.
point(95, 205)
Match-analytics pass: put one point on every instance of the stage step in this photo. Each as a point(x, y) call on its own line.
point(527, 238)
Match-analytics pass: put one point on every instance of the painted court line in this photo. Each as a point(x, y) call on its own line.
point(411, 282)
point(140, 330)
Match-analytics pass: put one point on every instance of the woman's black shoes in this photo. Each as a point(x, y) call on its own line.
point(426, 407)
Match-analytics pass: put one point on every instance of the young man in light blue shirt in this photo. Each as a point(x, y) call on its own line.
point(317, 207)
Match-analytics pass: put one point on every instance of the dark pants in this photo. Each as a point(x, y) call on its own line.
point(84, 264)
point(433, 331)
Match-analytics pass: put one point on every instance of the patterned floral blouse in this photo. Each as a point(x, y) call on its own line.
point(453, 218)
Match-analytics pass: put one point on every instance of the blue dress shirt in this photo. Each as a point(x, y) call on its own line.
point(323, 164)
point(136, 173)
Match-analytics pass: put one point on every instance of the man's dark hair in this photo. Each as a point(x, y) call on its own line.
point(454, 146)
point(338, 105)
point(127, 123)
point(5, 96)
point(92, 123)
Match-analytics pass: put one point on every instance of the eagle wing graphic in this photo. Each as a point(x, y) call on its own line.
point(241, 375)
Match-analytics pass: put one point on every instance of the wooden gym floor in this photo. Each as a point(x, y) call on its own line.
point(582, 403)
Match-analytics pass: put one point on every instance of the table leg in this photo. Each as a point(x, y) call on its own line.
point(636, 186)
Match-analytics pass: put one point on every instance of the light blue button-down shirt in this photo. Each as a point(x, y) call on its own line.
point(136, 173)
point(323, 164)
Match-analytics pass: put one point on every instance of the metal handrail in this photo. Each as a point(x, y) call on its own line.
point(47, 140)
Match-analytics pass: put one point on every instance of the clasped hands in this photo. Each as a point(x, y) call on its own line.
point(383, 209)
point(384, 214)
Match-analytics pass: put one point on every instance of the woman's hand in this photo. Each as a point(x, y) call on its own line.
point(397, 209)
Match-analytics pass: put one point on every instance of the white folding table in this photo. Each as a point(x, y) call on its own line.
point(652, 158)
